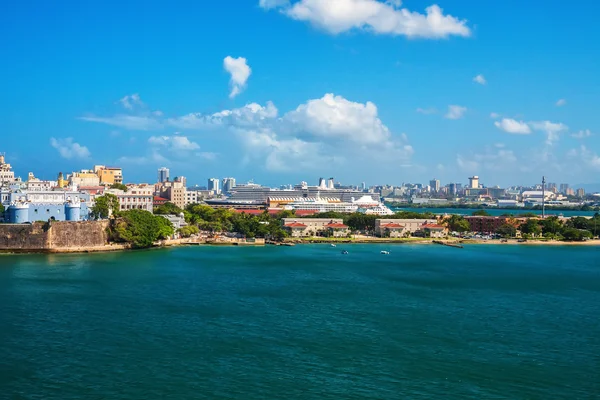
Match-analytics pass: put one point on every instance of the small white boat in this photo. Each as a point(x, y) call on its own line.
point(332, 244)
point(384, 252)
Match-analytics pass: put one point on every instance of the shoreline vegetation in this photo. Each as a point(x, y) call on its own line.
point(204, 225)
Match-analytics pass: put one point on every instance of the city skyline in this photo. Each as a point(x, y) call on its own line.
point(304, 92)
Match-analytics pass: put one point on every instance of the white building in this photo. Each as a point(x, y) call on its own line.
point(7, 175)
point(213, 185)
point(192, 197)
point(140, 197)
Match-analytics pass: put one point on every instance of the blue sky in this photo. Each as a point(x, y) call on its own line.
point(361, 90)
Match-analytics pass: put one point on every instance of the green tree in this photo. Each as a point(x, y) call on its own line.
point(141, 228)
point(577, 223)
point(531, 227)
point(506, 230)
point(1, 208)
point(119, 186)
point(361, 222)
point(105, 206)
point(457, 223)
point(188, 231)
point(167, 209)
point(551, 225)
point(481, 213)
point(573, 234)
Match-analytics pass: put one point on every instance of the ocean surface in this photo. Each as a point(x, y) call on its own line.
point(303, 322)
point(498, 211)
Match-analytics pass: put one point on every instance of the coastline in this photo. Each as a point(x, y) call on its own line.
point(291, 242)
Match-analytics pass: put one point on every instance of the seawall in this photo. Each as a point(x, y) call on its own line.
point(56, 236)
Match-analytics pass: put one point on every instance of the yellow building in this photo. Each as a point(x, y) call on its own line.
point(108, 175)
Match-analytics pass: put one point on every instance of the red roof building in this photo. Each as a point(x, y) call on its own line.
point(336, 226)
point(159, 201)
point(295, 225)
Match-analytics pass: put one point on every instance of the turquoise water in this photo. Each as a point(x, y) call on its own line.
point(498, 211)
point(304, 322)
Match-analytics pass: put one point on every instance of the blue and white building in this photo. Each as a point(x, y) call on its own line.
point(23, 206)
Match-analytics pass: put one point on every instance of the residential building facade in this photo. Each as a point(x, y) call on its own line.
point(307, 227)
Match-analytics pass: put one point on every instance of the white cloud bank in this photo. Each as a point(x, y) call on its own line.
point(510, 125)
point(385, 18)
point(330, 129)
point(69, 149)
point(240, 72)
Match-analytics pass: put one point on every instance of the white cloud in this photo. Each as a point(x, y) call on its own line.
point(582, 134)
point(334, 117)
point(386, 18)
point(268, 4)
point(130, 101)
point(552, 130)
point(130, 122)
point(455, 112)
point(561, 102)
point(494, 115)
point(69, 149)
point(510, 125)
point(175, 142)
point(426, 111)
point(480, 79)
point(331, 129)
point(240, 72)
point(249, 115)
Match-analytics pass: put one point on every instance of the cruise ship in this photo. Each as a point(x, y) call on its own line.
point(365, 205)
point(260, 194)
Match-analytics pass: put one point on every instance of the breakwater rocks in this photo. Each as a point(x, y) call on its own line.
point(56, 237)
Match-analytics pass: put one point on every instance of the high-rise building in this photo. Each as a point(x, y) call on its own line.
point(569, 192)
point(580, 193)
point(363, 186)
point(330, 184)
point(474, 182)
point(163, 174)
point(452, 188)
point(213, 185)
point(563, 188)
point(435, 185)
point(228, 184)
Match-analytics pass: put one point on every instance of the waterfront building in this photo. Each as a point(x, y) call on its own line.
point(307, 227)
point(213, 185)
point(228, 184)
point(474, 182)
point(137, 197)
point(485, 224)
point(7, 175)
point(435, 185)
point(406, 227)
point(163, 174)
point(108, 175)
point(580, 193)
point(85, 177)
point(23, 206)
